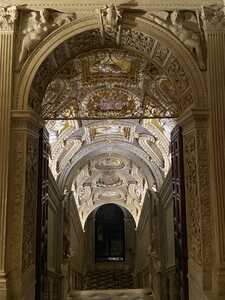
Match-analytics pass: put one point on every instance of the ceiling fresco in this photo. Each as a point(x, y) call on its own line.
point(110, 84)
point(110, 176)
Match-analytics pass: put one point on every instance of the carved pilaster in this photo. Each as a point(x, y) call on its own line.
point(198, 203)
point(216, 83)
point(7, 18)
point(21, 230)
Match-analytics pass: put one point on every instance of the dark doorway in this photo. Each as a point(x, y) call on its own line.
point(179, 213)
point(109, 233)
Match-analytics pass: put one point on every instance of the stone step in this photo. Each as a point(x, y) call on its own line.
point(125, 294)
point(108, 279)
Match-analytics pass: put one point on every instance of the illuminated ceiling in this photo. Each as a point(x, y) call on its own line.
point(112, 161)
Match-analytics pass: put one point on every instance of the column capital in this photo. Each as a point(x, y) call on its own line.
point(8, 16)
point(213, 17)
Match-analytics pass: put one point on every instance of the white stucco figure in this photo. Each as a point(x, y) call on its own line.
point(188, 37)
point(110, 18)
point(37, 27)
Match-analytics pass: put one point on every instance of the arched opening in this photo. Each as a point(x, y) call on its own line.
point(109, 111)
point(110, 239)
point(109, 234)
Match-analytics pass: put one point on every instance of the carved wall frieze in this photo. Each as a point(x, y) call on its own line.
point(193, 199)
point(198, 201)
point(16, 205)
point(204, 192)
point(29, 225)
point(8, 16)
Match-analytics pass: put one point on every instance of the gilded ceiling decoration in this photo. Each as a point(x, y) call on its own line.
point(116, 84)
point(93, 79)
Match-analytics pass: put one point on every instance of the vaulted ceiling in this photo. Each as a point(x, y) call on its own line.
point(111, 161)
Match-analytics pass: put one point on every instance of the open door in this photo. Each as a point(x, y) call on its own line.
point(179, 213)
point(42, 217)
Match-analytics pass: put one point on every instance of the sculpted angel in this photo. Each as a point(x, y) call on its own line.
point(190, 38)
point(110, 18)
point(176, 24)
point(36, 29)
point(38, 25)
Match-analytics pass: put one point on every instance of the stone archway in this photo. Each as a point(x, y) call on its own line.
point(170, 52)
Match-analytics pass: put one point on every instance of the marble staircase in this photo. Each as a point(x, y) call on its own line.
point(108, 279)
point(120, 294)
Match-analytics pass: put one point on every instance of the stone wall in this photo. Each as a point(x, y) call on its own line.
point(142, 259)
point(168, 270)
point(55, 234)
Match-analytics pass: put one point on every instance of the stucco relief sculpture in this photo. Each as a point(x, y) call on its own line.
point(187, 27)
point(37, 25)
point(110, 19)
point(8, 16)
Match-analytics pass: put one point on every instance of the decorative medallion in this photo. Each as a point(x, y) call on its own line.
point(111, 103)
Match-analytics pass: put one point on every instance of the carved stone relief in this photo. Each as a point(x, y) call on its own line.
point(186, 25)
point(193, 199)
point(16, 205)
point(29, 228)
point(204, 192)
point(37, 25)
